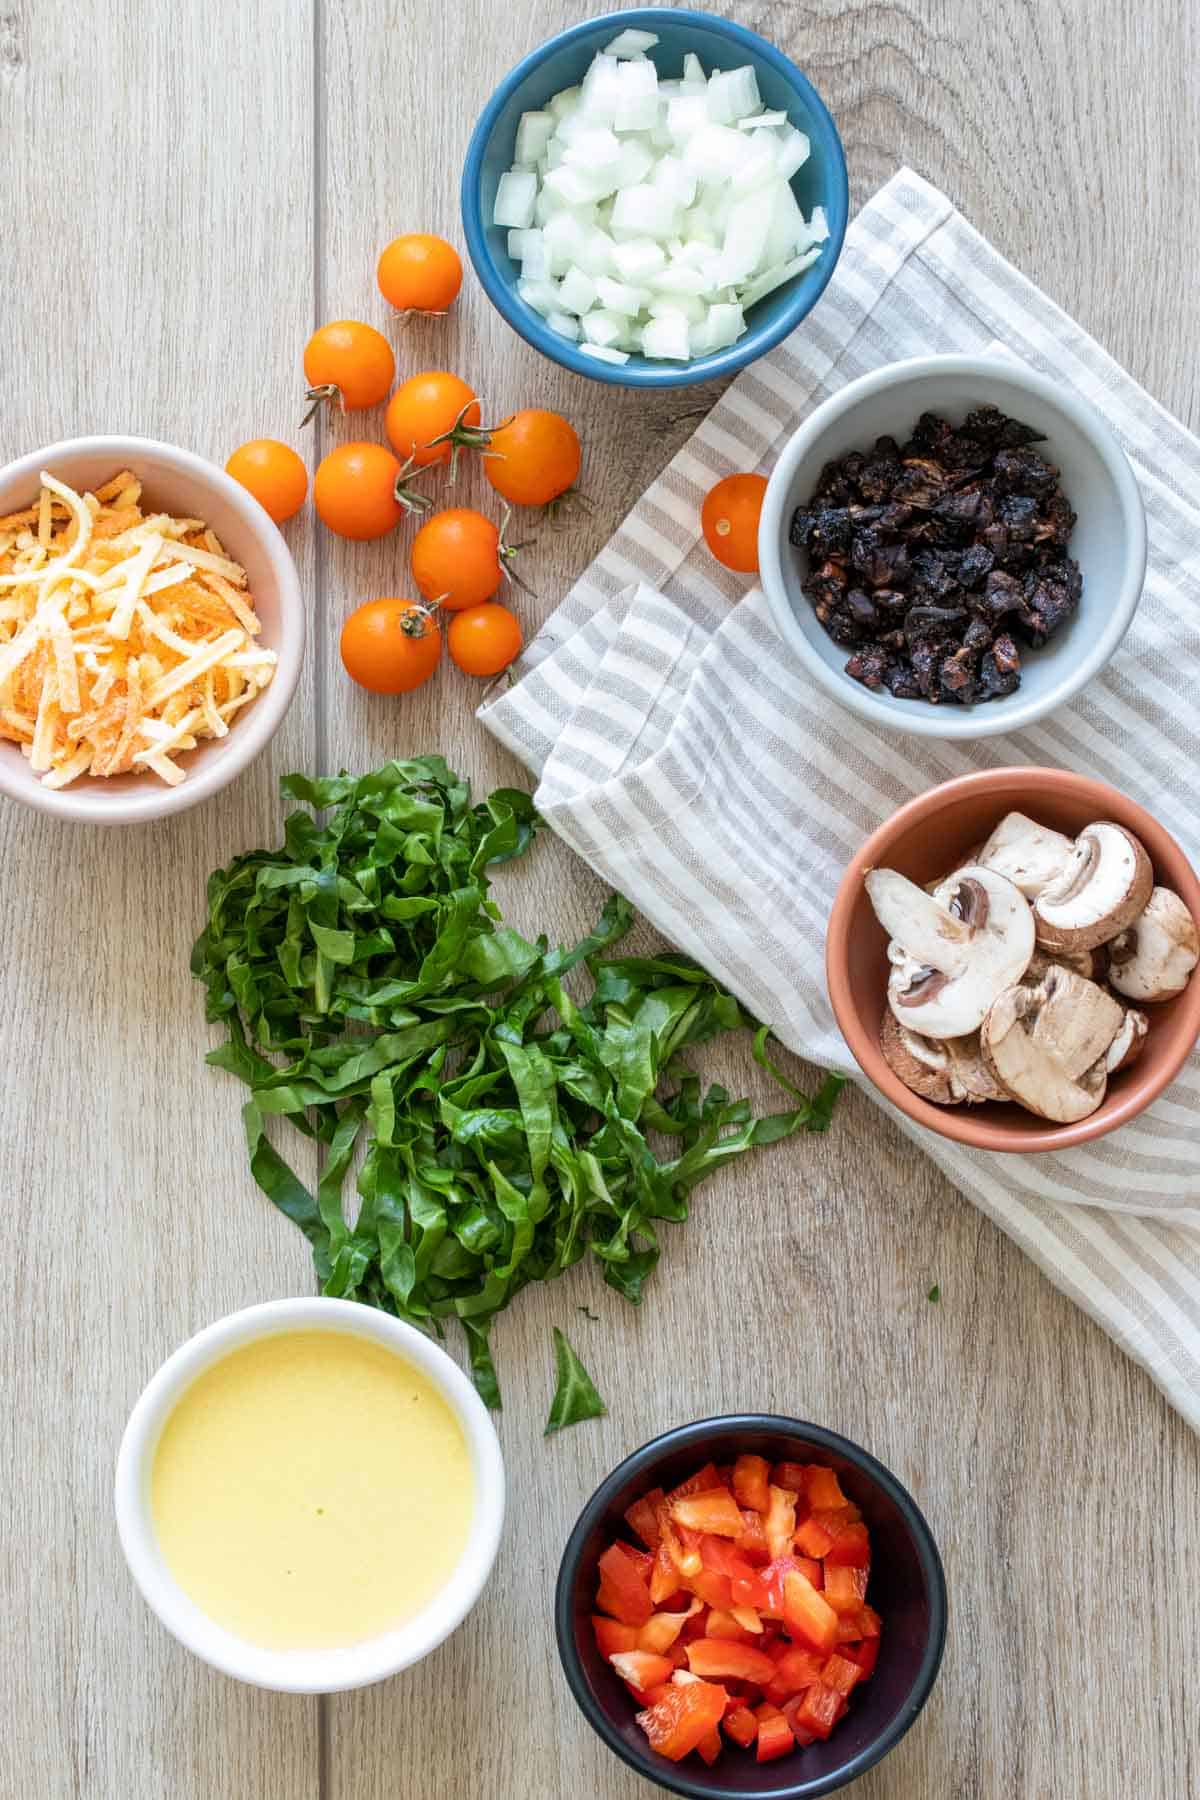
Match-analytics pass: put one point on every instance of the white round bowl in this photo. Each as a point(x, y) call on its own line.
point(177, 482)
point(1108, 542)
point(306, 1671)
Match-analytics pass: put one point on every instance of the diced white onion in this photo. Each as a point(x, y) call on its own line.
point(515, 197)
point(534, 131)
point(649, 215)
point(604, 353)
point(631, 43)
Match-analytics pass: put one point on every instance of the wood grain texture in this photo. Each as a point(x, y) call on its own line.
point(155, 243)
point(1065, 1494)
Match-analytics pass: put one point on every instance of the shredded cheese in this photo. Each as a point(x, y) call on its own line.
point(125, 639)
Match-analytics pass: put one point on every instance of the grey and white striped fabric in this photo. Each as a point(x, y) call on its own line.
point(688, 758)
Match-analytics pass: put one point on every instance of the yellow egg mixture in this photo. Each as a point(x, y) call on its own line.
point(311, 1490)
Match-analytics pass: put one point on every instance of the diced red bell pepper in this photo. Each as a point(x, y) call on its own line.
point(779, 1525)
point(772, 1581)
point(752, 1544)
point(662, 1628)
point(790, 1709)
point(724, 1558)
point(623, 1590)
point(845, 1589)
point(851, 1548)
point(643, 1560)
point(808, 1565)
point(822, 1488)
point(715, 1590)
point(723, 1625)
point(820, 1710)
point(807, 1615)
point(813, 1538)
point(789, 1475)
point(664, 1580)
point(710, 1746)
point(641, 1669)
point(716, 1513)
point(642, 1517)
point(677, 1723)
point(682, 1546)
point(748, 1618)
point(612, 1636)
point(714, 1658)
point(702, 1482)
point(751, 1477)
point(840, 1673)
point(866, 1655)
point(795, 1670)
point(774, 1734)
point(741, 1725)
point(871, 1623)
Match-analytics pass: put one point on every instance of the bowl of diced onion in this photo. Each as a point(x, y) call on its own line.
point(151, 630)
point(655, 198)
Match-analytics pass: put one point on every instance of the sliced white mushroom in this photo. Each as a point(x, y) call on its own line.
point(944, 1070)
point(1082, 962)
point(1126, 1047)
point(1031, 855)
point(1153, 958)
point(1103, 888)
point(951, 952)
point(1046, 1045)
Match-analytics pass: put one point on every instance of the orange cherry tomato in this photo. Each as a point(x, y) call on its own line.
point(354, 491)
point(350, 362)
point(532, 458)
point(426, 407)
point(456, 558)
point(484, 639)
point(390, 646)
point(419, 273)
point(729, 520)
point(273, 473)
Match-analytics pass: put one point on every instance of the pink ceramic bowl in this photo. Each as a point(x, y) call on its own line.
point(175, 481)
point(924, 840)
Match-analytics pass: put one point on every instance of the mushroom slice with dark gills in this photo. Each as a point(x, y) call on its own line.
point(1153, 958)
point(952, 952)
point(947, 1071)
point(1103, 888)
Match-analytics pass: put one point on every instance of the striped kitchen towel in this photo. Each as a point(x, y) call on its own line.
point(688, 758)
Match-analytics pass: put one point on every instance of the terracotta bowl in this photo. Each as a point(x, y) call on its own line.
point(923, 841)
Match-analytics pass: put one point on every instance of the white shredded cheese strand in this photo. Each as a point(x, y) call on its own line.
point(137, 570)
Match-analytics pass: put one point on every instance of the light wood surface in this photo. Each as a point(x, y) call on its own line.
point(190, 191)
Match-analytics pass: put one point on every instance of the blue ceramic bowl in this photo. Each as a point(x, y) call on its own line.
point(907, 1587)
point(561, 63)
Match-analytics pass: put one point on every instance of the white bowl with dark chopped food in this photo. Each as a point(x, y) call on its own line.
point(971, 572)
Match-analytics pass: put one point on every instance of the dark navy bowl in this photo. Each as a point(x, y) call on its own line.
point(560, 63)
point(907, 1589)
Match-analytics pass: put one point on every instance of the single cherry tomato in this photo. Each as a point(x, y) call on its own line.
point(273, 473)
point(354, 490)
point(419, 273)
point(390, 646)
point(729, 519)
point(484, 639)
point(532, 458)
point(348, 362)
point(459, 558)
point(429, 406)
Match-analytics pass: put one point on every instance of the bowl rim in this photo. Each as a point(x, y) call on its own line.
point(637, 373)
point(960, 1123)
point(322, 1671)
point(146, 806)
point(671, 1775)
point(1003, 716)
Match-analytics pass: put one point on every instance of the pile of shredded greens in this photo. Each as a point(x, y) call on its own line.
point(367, 983)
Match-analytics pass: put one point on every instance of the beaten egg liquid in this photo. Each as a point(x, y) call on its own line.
point(311, 1490)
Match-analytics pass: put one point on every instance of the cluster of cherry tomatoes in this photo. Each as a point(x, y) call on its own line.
point(362, 490)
